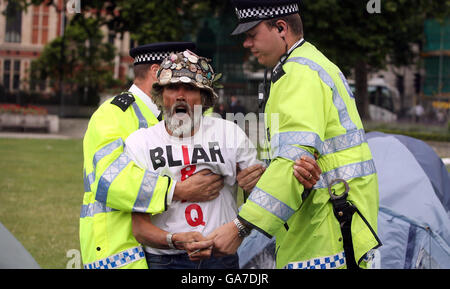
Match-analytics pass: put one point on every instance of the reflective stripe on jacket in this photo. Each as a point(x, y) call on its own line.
point(114, 187)
point(315, 111)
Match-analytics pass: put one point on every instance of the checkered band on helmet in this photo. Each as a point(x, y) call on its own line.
point(265, 12)
point(151, 57)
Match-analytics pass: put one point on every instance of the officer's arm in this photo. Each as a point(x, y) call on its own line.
point(111, 175)
point(278, 194)
point(275, 198)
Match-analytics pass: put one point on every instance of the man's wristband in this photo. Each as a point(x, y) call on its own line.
point(169, 240)
point(243, 231)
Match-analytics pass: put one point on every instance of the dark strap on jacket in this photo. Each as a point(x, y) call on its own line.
point(344, 210)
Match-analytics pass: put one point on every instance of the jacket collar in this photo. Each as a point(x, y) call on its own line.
point(135, 90)
point(285, 56)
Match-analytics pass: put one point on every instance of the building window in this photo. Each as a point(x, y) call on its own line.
point(11, 74)
point(40, 24)
point(7, 74)
point(16, 75)
point(13, 31)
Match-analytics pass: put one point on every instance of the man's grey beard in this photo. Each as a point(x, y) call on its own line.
point(182, 127)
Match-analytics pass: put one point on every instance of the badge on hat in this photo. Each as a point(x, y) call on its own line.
point(188, 67)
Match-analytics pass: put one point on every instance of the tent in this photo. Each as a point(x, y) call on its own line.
point(13, 254)
point(414, 215)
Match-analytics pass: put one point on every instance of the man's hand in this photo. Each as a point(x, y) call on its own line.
point(226, 239)
point(248, 177)
point(195, 244)
point(307, 171)
point(200, 187)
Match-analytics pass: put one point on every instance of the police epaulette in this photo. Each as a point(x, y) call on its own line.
point(277, 74)
point(123, 100)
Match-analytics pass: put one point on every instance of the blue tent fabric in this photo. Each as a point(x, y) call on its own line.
point(413, 220)
point(257, 252)
point(13, 254)
point(413, 224)
point(432, 165)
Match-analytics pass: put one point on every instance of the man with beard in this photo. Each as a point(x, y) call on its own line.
point(114, 185)
point(184, 143)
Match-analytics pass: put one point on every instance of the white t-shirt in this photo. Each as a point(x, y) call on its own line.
point(219, 145)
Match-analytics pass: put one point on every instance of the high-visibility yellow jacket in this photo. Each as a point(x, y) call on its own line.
point(312, 109)
point(115, 186)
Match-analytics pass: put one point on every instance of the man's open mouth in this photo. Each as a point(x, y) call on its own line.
point(181, 109)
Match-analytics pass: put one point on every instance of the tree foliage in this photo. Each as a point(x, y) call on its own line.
point(80, 60)
point(354, 38)
point(147, 21)
point(83, 60)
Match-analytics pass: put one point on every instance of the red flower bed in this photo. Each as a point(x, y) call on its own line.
point(15, 108)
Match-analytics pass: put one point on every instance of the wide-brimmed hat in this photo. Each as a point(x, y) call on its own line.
point(187, 67)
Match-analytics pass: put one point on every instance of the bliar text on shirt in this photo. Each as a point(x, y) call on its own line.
point(160, 156)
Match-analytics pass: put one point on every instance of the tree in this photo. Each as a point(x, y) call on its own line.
point(354, 38)
point(147, 21)
point(84, 59)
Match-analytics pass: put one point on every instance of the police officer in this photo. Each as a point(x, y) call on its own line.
point(114, 185)
point(317, 115)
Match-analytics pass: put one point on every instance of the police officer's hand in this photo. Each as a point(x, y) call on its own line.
point(199, 187)
point(226, 239)
point(247, 178)
point(307, 171)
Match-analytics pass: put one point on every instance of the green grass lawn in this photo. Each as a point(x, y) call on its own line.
point(41, 191)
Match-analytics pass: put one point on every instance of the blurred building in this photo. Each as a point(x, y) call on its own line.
point(426, 82)
point(436, 57)
point(23, 35)
point(402, 80)
point(22, 39)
